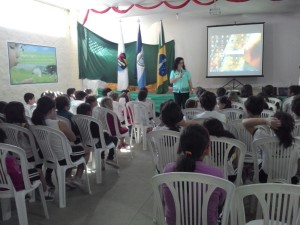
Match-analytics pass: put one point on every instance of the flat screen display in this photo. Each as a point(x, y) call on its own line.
point(235, 50)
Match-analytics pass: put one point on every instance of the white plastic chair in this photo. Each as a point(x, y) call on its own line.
point(186, 187)
point(281, 162)
point(219, 155)
point(8, 191)
point(272, 106)
point(266, 113)
point(53, 154)
point(15, 136)
point(237, 105)
point(189, 113)
point(296, 131)
point(163, 145)
point(287, 105)
point(233, 114)
point(83, 123)
point(64, 119)
point(275, 101)
point(140, 121)
point(279, 203)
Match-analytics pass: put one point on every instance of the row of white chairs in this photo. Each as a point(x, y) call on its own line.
point(277, 203)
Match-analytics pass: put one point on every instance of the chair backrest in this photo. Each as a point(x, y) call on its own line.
point(191, 193)
point(279, 203)
point(141, 116)
point(83, 123)
point(280, 162)
point(296, 131)
point(238, 105)
point(223, 151)
point(128, 113)
point(53, 144)
point(64, 119)
point(152, 104)
point(275, 101)
point(266, 113)
point(287, 105)
point(23, 138)
point(6, 186)
point(272, 106)
point(2, 118)
point(233, 114)
point(163, 145)
point(189, 113)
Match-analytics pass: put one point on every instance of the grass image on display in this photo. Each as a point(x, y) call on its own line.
point(31, 64)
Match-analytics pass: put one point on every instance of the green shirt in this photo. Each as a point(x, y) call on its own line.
point(181, 85)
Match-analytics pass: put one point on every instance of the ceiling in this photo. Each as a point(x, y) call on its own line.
point(192, 9)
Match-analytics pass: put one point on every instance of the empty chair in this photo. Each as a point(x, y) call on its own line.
point(279, 204)
point(225, 150)
point(7, 189)
point(83, 123)
point(191, 193)
point(189, 113)
point(233, 114)
point(163, 145)
point(55, 152)
point(280, 163)
point(266, 113)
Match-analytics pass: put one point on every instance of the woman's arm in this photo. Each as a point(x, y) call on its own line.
point(251, 123)
point(66, 130)
point(174, 78)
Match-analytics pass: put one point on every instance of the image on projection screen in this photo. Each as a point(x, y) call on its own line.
point(235, 50)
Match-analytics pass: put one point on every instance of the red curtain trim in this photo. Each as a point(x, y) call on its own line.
point(101, 12)
point(86, 17)
point(203, 3)
point(122, 11)
point(148, 7)
point(237, 1)
point(178, 6)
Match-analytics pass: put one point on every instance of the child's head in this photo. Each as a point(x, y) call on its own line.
point(246, 91)
point(106, 102)
point(71, 92)
point(221, 91)
point(45, 109)
point(294, 90)
point(171, 114)
point(223, 102)
point(254, 106)
point(191, 103)
point(208, 100)
point(92, 100)
point(29, 98)
point(105, 91)
point(268, 90)
point(62, 103)
point(88, 91)
point(113, 95)
point(193, 146)
point(15, 112)
point(296, 106)
point(233, 96)
point(84, 109)
point(142, 95)
point(80, 95)
point(199, 91)
point(216, 128)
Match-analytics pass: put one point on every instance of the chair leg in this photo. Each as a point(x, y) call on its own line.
point(6, 208)
point(21, 208)
point(98, 167)
point(61, 180)
point(87, 180)
point(144, 138)
point(43, 201)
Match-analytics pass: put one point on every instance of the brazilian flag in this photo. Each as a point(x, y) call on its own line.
point(161, 78)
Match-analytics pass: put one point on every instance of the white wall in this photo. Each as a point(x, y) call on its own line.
point(35, 23)
point(282, 42)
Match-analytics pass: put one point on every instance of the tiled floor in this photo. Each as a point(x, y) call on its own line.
point(124, 199)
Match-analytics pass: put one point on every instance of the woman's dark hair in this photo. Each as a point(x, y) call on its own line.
point(44, 106)
point(221, 91)
point(142, 95)
point(84, 108)
point(208, 100)
point(294, 89)
point(193, 141)
point(284, 132)
point(28, 96)
point(2, 106)
point(176, 63)
point(90, 99)
point(226, 101)
point(62, 102)
point(70, 91)
point(296, 105)
point(15, 112)
point(268, 90)
point(246, 91)
point(171, 114)
point(215, 128)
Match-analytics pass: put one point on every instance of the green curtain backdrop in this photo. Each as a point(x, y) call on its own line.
point(98, 58)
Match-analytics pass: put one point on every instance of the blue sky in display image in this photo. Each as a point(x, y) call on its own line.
point(35, 48)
